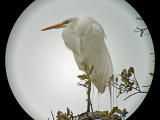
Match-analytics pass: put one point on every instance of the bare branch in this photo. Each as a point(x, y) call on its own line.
point(134, 94)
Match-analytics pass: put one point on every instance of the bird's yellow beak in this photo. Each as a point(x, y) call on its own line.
point(55, 26)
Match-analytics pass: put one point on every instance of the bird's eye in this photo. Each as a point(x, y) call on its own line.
point(65, 22)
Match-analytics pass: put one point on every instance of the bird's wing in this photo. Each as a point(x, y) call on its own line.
point(97, 54)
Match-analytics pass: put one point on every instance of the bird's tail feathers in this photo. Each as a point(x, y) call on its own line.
point(111, 91)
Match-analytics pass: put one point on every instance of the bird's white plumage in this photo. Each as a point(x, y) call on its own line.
point(85, 37)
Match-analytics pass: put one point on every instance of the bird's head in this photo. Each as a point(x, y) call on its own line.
point(62, 24)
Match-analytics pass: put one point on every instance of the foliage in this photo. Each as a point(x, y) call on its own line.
point(114, 114)
point(126, 84)
point(141, 30)
point(86, 77)
point(65, 116)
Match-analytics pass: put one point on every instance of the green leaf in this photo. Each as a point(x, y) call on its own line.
point(91, 70)
point(130, 89)
point(124, 112)
point(124, 80)
point(64, 117)
point(132, 83)
point(122, 84)
point(129, 74)
point(88, 82)
point(103, 115)
point(82, 77)
point(113, 110)
point(131, 69)
point(115, 117)
point(141, 33)
point(59, 113)
point(104, 118)
point(124, 73)
point(107, 113)
point(151, 74)
point(119, 111)
point(68, 111)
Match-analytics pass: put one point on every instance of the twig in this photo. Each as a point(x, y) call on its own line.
point(127, 83)
point(89, 100)
point(52, 116)
point(139, 18)
point(134, 94)
point(141, 31)
point(136, 81)
point(146, 86)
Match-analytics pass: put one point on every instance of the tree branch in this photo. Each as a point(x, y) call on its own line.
point(134, 94)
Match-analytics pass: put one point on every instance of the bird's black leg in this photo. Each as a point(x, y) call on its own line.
point(88, 101)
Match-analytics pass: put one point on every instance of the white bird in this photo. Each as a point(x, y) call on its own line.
point(86, 38)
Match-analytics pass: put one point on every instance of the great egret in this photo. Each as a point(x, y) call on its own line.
point(85, 37)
